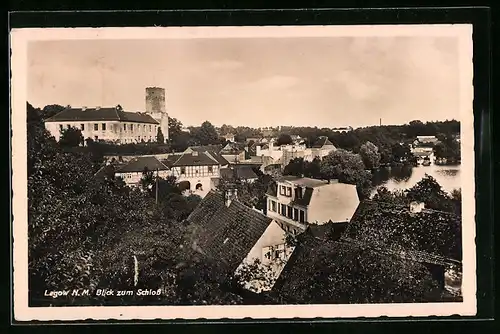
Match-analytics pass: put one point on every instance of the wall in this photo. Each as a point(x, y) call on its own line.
point(133, 178)
point(203, 177)
point(133, 132)
point(336, 202)
point(272, 236)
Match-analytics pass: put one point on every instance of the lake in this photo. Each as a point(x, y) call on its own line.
point(400, 178)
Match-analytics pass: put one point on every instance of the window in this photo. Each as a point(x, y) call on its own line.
point(96, 127)
point(283, 209)
point(298, 193)
point(183, 170)
point(210, 169)
point(82, 127)
point(290, 212)
point(96, 138)
point(103, 126)
point(60, 127)
point(289, 191)
point(144, 127)
point(124, 127)
point(68, 126)
point(150, 127)
point(273, 206)
point(282, 190)
point(302, 216)
point(131, 127)
point(295, 214)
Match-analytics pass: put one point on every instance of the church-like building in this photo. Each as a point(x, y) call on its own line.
point(113, 124)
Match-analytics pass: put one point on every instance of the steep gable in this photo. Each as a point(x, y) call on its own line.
point(227, 233)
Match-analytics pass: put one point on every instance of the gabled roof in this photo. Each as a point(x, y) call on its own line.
point(105, 171)
point(233, 148)
point(141, 163)
point(222, 161)
point(434, 232)
point(226, 233)
point(302, 181)
point(196, 159)
point(101, 114)
point(322, 141)
point(237, 172)
point(205, 148)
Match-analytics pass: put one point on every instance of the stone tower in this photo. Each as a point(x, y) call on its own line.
point(156, 107)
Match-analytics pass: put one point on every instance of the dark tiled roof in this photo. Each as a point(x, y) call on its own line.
point(140, 163)
point(222, 161)
point(302, 181)
point(233, 148)
point(199, 159)
point(101, 114)
point(226, 233)
point(104, 171)
point(206, 148)
point(171, 159)
point(394, 227)
point(322, 141)
point(242, 173)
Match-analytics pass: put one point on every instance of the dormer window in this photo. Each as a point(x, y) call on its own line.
point(298, 193)
point(289, 191)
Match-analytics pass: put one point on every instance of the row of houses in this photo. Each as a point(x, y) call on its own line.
point(315, 213)
point(198, 169)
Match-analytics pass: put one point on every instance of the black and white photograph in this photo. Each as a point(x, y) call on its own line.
point(243, 172)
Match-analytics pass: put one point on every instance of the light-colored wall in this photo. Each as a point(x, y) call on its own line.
point(203, 177)
point(234, 158)
point(272, 236)
point(114, 130)
point(133, 178)
point(336, 202)
point(196, 171)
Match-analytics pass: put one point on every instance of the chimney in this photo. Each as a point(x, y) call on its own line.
point(84, 108)
point(230, 195)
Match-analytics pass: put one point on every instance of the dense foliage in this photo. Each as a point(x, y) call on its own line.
point(386, 226)
point(342, 273)
point(84, 232)
point(428, 191)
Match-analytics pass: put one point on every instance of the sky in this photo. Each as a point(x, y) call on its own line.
point(257, 82)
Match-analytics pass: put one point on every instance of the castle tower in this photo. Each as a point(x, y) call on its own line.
point(156, 107)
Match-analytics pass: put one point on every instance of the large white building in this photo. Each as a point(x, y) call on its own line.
point(113, 124)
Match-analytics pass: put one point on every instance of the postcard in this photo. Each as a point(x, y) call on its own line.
point(260, 172)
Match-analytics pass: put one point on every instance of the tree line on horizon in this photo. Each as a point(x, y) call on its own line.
point(385, 137)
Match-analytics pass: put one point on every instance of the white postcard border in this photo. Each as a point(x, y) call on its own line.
point(20, 38)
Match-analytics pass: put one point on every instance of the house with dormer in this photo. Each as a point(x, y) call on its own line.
point(295, 202)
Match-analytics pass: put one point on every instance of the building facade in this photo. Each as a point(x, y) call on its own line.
point(113, 124)
point(105, 124)
point(297, 202)
point(199, 170)
point(133, 171)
